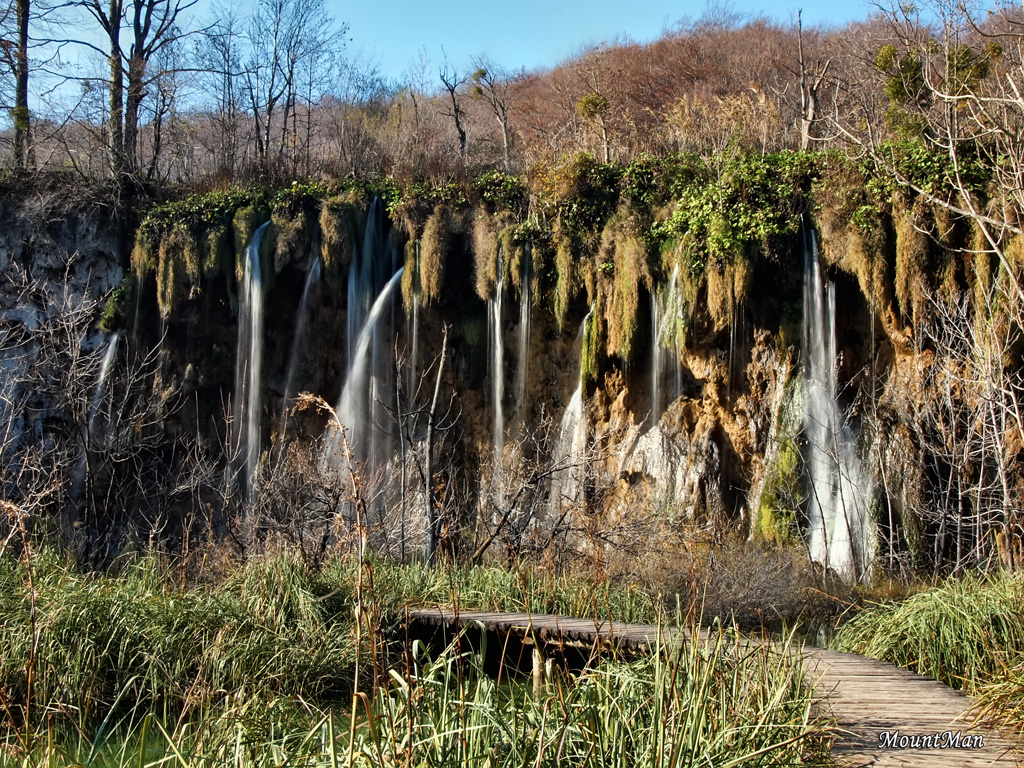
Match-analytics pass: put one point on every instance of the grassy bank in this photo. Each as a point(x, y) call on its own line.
point(967, 632)
point(144, 668)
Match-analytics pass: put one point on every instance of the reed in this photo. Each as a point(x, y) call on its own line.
point(712, 702)
point(962, 632)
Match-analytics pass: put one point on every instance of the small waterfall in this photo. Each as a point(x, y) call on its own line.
point(105, 368)
point(656, 364)
point(248, 364)
point(496, 361)
point(572, 435)
point(838, 533)
point(356, 405)
point(525, 301)
point(414, 334)
point(363, 278)
point(298, 338)
point(667, 336)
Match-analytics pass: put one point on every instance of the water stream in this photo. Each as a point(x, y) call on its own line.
point(248, 369)
point(838, 529)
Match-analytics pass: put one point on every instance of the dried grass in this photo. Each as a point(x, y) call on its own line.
point(437, 234)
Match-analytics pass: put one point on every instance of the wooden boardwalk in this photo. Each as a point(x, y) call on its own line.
point(871, 701)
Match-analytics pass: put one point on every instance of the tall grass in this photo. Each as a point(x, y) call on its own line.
point(712, 703)
point(88, 648)
point(520, 591)
point(962, 632)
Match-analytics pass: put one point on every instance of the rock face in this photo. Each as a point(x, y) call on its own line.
point(699, 432)
point(59, 260)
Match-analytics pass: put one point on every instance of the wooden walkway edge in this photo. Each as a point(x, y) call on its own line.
point(885, 716)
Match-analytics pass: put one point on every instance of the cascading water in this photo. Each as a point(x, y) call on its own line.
point(667, 323)
point(355, 407)
point(248, 365)
point(572, 435)
point(298, 338)
point(656, 364)
point(105, 368)
point(525, 301)
point(838, 531)
point(496, 362)
point(413, 334)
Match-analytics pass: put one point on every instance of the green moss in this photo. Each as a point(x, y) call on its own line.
point(594, 343)
point(117, 309)
point(622, 248)
point(776, 519)
point(485, 253)
point(172, 280)
point(566, 281)
point(339, 235)
point(245, 222)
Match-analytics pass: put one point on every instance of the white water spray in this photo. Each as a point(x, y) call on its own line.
point(838, 534)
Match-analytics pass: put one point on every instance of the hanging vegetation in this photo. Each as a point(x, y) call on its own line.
point(339, 233)
point(437, 234)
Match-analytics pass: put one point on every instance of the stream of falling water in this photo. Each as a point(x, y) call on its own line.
point(667, 324)
point(298, 341)
point(248, 368)
point(355, 407)
point(525, 301)
point(838, 533)
point(572, 435)
point(496, 358)
point(105, 368)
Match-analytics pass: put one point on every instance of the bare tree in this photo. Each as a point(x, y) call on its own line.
point(452, 81)
point(493, 85)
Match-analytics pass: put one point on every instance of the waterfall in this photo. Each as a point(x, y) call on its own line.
point(413, 333)
point(655, 357)
point(572, 435)
point(667, 335)
point(838, 528)
point(525, 301)
point(364, 281)
point(496, 362)
point(105, 368)
point(356, 406)
point(301, 320)
point(248, 363)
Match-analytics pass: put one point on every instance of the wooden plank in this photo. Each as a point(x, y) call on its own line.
point(866, 697)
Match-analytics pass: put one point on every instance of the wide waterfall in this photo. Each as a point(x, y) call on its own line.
point(248, 364)
point(838, 530)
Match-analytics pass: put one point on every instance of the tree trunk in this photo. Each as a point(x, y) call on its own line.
point(133, 102)
point(116, 87)
point(22, 125)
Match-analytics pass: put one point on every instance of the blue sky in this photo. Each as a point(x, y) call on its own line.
point(536, 33)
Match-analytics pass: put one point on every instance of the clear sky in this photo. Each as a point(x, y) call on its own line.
point(538, 33)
